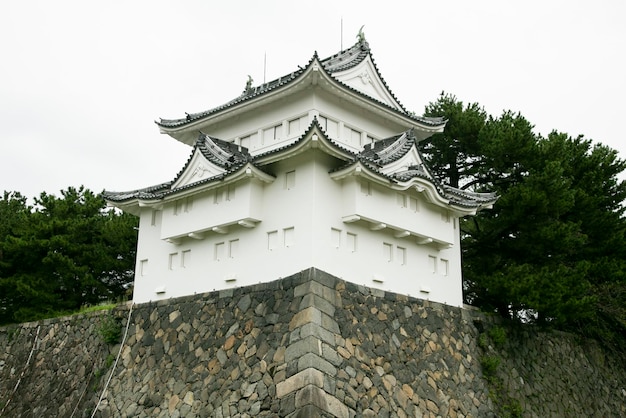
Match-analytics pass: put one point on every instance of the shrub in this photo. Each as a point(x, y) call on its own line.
point(110, 330)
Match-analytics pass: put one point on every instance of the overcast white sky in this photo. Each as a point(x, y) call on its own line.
point(82, 82)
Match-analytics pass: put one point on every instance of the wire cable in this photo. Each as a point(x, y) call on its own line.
point(117, 359)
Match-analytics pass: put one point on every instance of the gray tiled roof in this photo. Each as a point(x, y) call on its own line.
point(147, 193)
point(314, 124)
point(374, 157)
point(388, 150)
point(224, 154)
point(346, 59)
point(341, 61)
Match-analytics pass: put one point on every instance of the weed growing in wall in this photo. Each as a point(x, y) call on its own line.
point(490, 361)
point(110, 330)
point(12, 333)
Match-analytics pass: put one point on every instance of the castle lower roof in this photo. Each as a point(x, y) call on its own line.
point(396, 160)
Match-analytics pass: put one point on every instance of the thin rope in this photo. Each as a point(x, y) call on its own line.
point(117, 359)
point(19, 380)
point(86, 387)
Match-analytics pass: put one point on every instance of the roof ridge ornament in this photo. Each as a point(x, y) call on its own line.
point(248, 88)
point(361, 35)
point(365, 46)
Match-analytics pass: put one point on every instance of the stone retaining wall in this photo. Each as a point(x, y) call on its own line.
point(305, 346)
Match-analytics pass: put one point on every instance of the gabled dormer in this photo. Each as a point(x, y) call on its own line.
point(355, 68)
point(211, 157)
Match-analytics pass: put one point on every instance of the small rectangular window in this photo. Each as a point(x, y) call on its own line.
point(230, 192)
point(272, 134)
point(294, 126)
point(366, 188)
point(217, 198)
point(173, 261)
point(155, 217)
point(233, 248)
point(401, 251)
point(185, 258)
point(330, 126)
point(413, 204)
point(272, 240)
point(402, 200)
point(353, 137)
point(290, 179)
point(219, 251)
point(432, 264)
point(249, 141)
point(143, 267)
point(278, 132)
point(289, 236)
point(445, 266)
point(335, 237)
point(351, 241)
point(388, 252)
point(245, 141)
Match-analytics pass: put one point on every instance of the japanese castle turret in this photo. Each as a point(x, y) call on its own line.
point(319, 168)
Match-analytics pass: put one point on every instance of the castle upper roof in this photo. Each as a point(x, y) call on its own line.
point(333, 67)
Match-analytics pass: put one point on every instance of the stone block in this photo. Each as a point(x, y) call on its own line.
point(305, 316)
point(308, 411)
point(304, 378)
point(314, 361)
point(317, 331)
point(330, 324)
point(313, 395)
point(305, 345)
point(309, 287)
point(319, 302)
point(323, 278)
point(331, 355)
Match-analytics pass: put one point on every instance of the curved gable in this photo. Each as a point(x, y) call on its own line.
point(364, 78)
point(211, 157)
point(197, 169)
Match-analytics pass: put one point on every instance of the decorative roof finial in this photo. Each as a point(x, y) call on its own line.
point(361, 35)
point(249, 84)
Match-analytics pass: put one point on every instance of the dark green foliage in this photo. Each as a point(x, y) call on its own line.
point(61, 254)
point(110, 330)
point(498, 335)
point(490, 363)
point(553, 249)
point(489, 366)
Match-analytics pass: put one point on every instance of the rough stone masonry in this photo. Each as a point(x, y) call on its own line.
point(309, 345)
